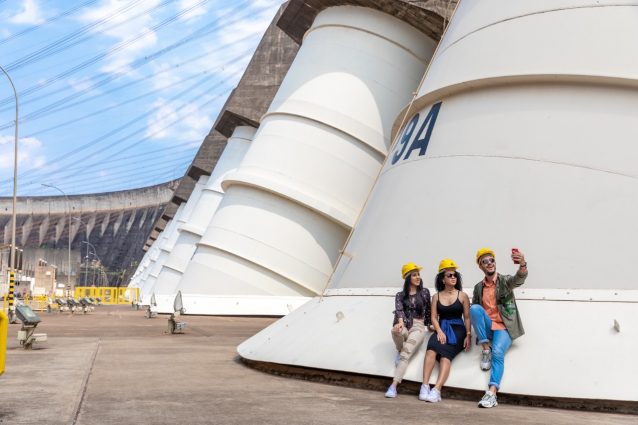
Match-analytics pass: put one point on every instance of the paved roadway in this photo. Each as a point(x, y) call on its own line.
point(113, 366)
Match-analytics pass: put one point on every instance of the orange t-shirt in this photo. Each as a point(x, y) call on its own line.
point(489, 304)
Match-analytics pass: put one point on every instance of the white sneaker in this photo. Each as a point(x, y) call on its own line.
point(434, 396)
point(488, 400)
point(424, 393)
point(391, 393)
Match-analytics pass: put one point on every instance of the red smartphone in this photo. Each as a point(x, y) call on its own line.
point(513, 251)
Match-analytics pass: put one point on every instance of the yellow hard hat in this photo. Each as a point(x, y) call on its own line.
point(484, 251)
point(447, 263)
point(408, 267)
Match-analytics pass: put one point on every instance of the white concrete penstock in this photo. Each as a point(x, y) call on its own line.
point(533, 147)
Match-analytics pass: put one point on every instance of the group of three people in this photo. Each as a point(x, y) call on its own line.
point(450, 315)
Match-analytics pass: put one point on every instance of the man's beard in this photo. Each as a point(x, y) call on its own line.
point(490, 273)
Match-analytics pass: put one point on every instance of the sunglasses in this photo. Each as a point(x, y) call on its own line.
point(487, 261)
point(450, 275)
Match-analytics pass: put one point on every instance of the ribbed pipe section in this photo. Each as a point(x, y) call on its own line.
point(169, 243)
point(290, 205)
point(158, 256)
point(203, 207)
point(522, 136)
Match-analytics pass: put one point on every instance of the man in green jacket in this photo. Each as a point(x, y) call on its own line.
point(495, 316)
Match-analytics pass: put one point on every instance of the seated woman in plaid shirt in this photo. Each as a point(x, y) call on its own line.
point(411, 316)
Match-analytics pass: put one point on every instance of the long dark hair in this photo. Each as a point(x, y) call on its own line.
point(419, 302)
point(439, 285)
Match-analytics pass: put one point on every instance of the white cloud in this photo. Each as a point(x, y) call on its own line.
point(29, 153)
point(193, 13)
point(81, 84)
point(164, 75)
point(165, 112)
point(30, 14)
point(244, 34)
point(194, 123)
point(125, 30)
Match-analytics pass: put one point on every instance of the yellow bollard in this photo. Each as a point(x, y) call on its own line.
point(11, 288)
point(4, 331)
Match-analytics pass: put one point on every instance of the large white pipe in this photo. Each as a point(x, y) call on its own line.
point(288, 209)
point(190, 232)
point(135, 278)
point(171, 240)
point(533, 147)
point(158, 257)
point(150, 257)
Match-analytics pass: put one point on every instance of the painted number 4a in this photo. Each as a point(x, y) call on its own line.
point(421, 137)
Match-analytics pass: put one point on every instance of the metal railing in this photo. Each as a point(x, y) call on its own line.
point(109, 294)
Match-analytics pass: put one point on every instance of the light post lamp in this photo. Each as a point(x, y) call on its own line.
point(68, 206)
point(15, 187)
point(86, 263)
point(89, 244)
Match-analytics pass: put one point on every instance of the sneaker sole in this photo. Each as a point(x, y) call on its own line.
point(488, 407)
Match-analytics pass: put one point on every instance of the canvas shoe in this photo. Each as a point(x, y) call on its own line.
point(391, 393)
point(434, 396)
point(424, 393)
point(486, 359)
point(488, 400)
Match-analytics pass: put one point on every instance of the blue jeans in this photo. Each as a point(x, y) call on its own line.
point(501, 342)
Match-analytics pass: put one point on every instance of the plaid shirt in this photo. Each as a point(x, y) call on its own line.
point(411, 313)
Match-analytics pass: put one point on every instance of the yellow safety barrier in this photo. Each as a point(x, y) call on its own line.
point(38, 302)
point(4, 331)
point(109, 294)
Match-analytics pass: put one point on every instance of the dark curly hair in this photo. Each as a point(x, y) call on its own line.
point(419, 302)
point(439, 285)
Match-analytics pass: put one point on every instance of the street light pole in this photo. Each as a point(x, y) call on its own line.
point(68, 206)
point(89, 244)
point(15, 177)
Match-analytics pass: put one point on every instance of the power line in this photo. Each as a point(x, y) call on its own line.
point(127, 137)
point(68, 38)
point(48, 21)
point(202, 31)
point(49, 109)
point(95, 85)
point(67, 155)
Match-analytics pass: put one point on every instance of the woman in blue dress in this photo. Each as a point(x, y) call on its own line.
point(451, 321)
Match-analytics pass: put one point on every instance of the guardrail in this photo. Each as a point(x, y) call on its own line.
point(109, 294)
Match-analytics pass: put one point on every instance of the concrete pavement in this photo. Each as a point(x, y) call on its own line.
point(113, 366)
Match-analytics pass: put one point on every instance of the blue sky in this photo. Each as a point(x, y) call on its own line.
point(117, 94)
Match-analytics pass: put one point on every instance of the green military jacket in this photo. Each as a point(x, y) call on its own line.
point(505, 300)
